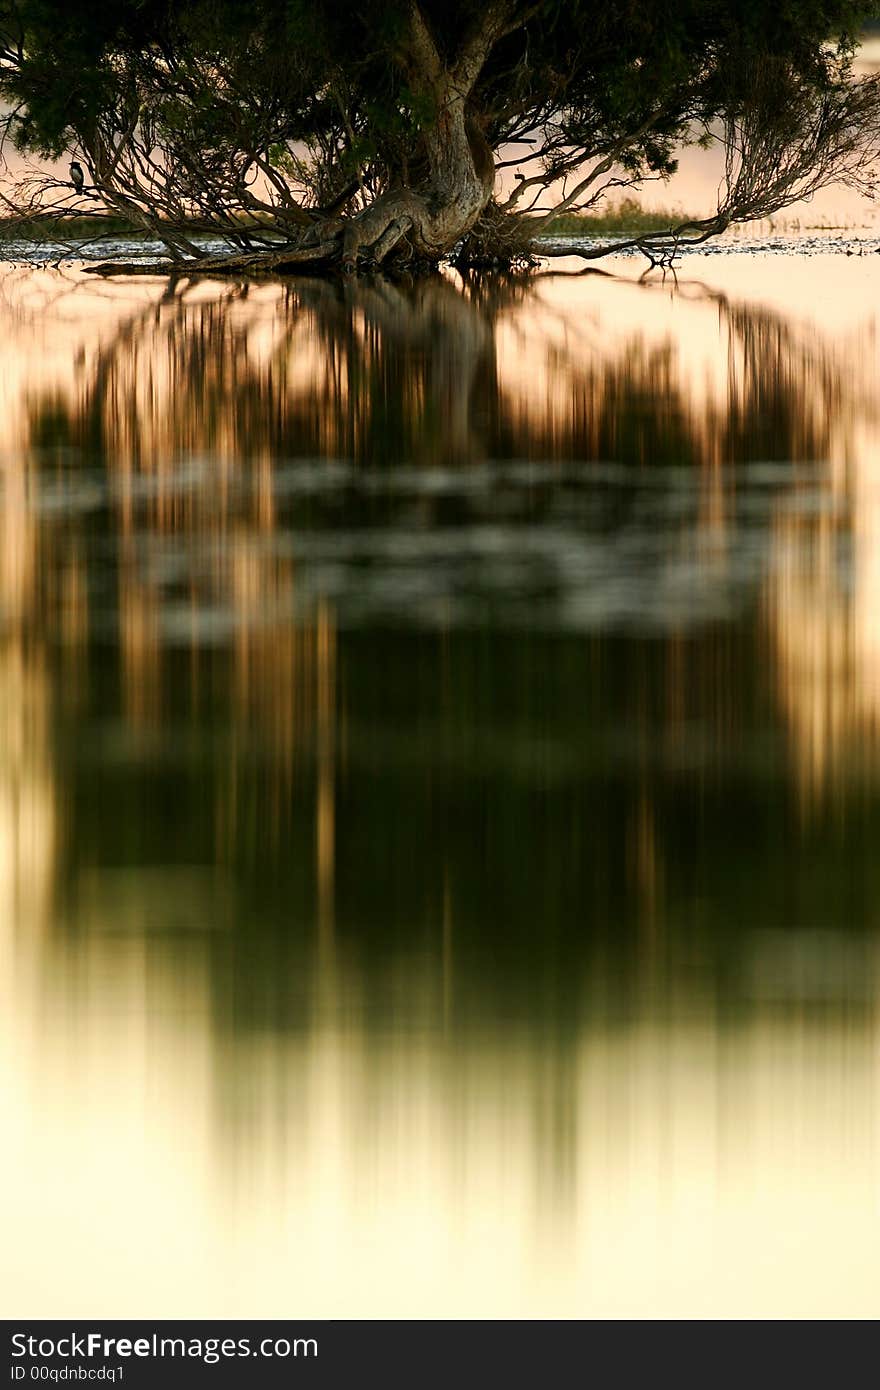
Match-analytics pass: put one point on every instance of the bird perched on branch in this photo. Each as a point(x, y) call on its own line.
point(77, 177)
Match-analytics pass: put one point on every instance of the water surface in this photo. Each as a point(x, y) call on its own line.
point(440, 794)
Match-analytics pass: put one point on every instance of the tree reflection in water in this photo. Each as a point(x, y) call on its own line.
point(410, 690)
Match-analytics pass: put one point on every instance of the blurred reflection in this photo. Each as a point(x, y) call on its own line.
point(420, 891)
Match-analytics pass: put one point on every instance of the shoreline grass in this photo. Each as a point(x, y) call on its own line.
point(627, 216)
point(75, 228)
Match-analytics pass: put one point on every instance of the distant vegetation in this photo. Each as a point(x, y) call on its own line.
point(626, 217)
point(77, 228)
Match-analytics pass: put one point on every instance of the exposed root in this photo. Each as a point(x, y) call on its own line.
point(399, 226)
point(661, 249)
point(392, 235)
point(249, 263)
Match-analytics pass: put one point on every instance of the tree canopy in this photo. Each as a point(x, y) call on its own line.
point(304, 131)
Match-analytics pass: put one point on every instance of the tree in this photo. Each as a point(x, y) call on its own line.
point(300, 132)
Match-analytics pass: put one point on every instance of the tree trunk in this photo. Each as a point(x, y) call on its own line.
point(435, 216)
point(460, 161)
point(424, 222)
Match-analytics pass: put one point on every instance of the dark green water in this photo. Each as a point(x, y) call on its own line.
point(440, 797)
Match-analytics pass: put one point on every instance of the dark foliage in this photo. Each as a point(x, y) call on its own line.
point(385, 130)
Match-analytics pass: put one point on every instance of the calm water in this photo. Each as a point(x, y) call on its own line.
point(440, 795)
